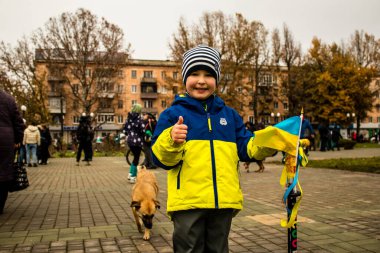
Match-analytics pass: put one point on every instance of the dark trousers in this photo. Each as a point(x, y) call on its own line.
point(84, 146)
point(4, 187)
point(202, 230)
point(148, 162)
point(44, 153)
point(136, 151)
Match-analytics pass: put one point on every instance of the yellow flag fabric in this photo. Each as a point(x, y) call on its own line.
point(282, 136)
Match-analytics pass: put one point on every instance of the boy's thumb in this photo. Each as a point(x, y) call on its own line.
point(180, 120)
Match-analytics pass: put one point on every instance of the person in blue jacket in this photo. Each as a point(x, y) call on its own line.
point(200, 141)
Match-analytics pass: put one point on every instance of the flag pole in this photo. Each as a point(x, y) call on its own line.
point(292, 199)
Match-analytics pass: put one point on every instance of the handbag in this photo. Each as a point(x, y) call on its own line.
point(20, 181)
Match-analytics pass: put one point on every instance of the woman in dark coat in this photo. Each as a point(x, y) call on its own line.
point(11, 135)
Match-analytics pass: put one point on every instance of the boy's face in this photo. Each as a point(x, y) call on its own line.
point(200, 84)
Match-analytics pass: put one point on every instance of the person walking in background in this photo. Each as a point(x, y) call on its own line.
point(45, 143)
point(150, 124)
point(251, 127)
point(11, 136)
point(32, 139)
point(307, 132)
point(84, 140)
point(324, 136)
point(135, 130)
point(335, 137)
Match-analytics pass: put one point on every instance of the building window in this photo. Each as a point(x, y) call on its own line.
point(148, 74)
point(251, 118)
point(120, 119)
point(378, 119)
point(148, 104)
point(76, 119)
point(134, 74)
point(163, 75)
point(134, 102)
point(275, 105)
point(163, 103)
point(88, 72)
point(370, 119)
point(106, 118)
point(120, 88)
point(105, 103)
point(134, 88)
point(75, 88)
point(162, 90)
point(266, 80)
point(120, 104)
point(106, 87)
point(175, 75)
point(75, 104)
point(120, 73)
point(175, 90)
point(228, 76)
point(286, 106)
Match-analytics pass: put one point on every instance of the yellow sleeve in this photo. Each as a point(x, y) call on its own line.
point(166, 151)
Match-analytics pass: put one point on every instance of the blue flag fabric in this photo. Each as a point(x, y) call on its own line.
point(282, 136)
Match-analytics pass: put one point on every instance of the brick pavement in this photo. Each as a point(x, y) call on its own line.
point(86, 209)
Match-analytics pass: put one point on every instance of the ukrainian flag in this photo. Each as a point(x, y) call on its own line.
point(282, 136)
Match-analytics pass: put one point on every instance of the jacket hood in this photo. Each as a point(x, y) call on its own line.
point(214, 103)
point(32, 128)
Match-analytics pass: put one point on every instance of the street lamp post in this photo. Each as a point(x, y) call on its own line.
point(350, 117)
point(62, 117)
point(23, 110)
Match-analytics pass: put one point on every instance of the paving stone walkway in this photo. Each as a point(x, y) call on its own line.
point(86, 209)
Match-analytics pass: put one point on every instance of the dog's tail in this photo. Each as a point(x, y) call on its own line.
point(141, 167)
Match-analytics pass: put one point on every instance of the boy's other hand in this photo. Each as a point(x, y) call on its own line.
point(179, 131)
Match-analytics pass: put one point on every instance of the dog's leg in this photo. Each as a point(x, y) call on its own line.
point(146, 234)
point(261, 166)
point(137, 220)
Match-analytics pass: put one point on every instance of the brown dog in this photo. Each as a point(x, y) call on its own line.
point(144, 200)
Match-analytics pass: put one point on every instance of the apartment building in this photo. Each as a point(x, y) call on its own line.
point(153, 84)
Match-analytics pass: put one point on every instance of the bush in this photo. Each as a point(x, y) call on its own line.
point(347, 144)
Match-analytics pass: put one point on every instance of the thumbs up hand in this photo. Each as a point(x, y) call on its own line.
point(179, 131)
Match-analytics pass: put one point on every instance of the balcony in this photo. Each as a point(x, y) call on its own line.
point(56, 77)
point(149, 110)
point(106, 110)
point(149, 95)
point(148, 80)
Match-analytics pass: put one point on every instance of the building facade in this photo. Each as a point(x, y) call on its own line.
point(153, 84)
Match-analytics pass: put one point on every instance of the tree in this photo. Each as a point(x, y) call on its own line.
point(289, 53)
point(243, 47)
point(334, 82)
point(365, 50)
point(84, 56)
point(22, 80)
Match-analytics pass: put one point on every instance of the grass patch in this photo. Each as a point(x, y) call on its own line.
point(371, 165)
point(367, 145)
point(70, 154)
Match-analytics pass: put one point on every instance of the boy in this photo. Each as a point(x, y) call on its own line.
point(200, 141)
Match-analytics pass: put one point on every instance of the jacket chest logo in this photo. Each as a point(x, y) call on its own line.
point(223, 121)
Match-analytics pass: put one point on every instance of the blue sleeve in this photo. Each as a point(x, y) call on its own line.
point(242, 138)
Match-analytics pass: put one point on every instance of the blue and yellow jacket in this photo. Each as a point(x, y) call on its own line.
point(203, 171)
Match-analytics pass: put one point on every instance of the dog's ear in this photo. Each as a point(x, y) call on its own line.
point(136, 205)
point(157, 204)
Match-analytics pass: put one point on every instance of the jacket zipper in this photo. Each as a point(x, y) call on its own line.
point(213, 162)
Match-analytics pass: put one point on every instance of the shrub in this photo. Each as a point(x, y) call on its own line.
point(347, 144)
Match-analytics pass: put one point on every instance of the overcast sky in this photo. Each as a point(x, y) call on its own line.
point(149, 25)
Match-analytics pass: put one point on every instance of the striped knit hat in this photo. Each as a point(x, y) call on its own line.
point(201, 57)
